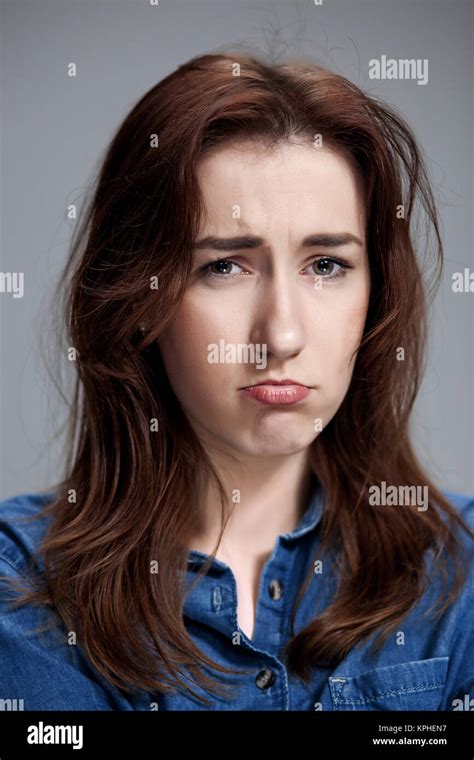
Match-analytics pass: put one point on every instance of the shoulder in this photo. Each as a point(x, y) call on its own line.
point(458, 629)
point(461, 610)
point(35, 650)
point(462, 502)
point(464, 506)
point(22, 527)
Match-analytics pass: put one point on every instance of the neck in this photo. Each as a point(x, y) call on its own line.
point(265, 497)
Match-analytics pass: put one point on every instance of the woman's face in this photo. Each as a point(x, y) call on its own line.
point(274, 292)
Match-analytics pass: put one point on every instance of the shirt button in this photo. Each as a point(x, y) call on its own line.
point(265, 678)
point(275, 588)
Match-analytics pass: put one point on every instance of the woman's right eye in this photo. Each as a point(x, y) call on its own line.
point(222, 265)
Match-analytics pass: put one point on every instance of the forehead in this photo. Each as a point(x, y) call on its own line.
point(295, 182)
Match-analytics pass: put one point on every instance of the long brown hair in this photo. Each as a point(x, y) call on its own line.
point(128, 496)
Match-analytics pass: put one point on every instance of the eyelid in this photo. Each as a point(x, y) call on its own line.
point(341, 262)
point(206, 268)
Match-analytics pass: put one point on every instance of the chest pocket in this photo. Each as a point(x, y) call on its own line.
point(416, 685)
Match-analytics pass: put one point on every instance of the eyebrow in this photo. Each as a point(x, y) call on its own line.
point(322, 240)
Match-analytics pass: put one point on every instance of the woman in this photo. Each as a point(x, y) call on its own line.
point(243, 523)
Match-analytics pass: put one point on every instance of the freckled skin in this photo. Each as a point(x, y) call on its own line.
point(270, 297)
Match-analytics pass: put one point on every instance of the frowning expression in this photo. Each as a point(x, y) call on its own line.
point(280, 265)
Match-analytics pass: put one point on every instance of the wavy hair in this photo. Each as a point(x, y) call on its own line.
point(128, 495)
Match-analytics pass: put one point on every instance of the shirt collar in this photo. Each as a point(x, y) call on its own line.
point(311, 516)
point(212, 599)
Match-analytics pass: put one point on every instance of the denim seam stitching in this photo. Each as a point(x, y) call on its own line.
point(390, 694)
point(11, 564)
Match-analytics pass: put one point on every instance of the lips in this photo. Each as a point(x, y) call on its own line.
point(277, 382)
point(277, 392)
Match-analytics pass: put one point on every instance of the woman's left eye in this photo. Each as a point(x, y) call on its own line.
point(325, 268)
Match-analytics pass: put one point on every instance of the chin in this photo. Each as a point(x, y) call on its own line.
point(281, 447)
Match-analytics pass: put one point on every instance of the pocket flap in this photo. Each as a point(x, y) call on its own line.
point(415, 685)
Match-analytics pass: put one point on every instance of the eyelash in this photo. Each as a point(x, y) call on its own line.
point(344, 265)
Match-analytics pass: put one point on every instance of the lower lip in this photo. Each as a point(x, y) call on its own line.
point(277, 394)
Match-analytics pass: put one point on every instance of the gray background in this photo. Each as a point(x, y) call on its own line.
point(55, 129)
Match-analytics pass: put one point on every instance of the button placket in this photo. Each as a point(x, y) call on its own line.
point(276, 577)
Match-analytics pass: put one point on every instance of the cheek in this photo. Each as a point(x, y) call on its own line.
point(354, 323)
point(338, 341)
point(184, 349)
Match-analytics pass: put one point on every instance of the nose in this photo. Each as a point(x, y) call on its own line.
point(279, 316)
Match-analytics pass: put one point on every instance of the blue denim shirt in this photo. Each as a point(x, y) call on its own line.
point(424, 665)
